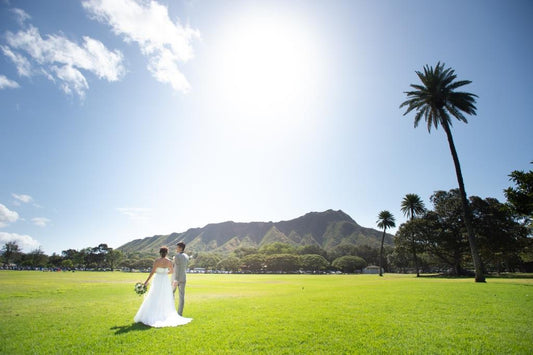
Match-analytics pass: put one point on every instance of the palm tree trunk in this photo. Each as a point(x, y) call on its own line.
point(414, 246)
point(467, 213)
point(414, 257)
point(381, 254)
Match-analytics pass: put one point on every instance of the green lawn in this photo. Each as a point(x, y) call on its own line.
point(91, 312)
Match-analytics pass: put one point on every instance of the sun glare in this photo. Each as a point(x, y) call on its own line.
point(267, 68)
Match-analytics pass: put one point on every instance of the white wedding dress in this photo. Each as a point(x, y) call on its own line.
point(158, 309)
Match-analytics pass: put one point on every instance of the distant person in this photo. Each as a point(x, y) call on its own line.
point(158, 308)
point(179, 277)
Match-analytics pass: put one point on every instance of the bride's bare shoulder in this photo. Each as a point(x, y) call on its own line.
point(163, 262)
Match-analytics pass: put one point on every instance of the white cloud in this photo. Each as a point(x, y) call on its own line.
point(6, 83)
point(22, 198)
point(40, 221)
point(72, 79)
point(21, 15)
point(23, 65)
point(61, 59)
point(25, 242)
point(147, 23)
point(101, 61)
point(7, 216)
point(136, 214)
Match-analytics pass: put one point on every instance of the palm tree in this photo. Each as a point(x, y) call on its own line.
point(385, 220)
point(412, 206)
point(435, 100)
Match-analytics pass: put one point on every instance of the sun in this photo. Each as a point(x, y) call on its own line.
point(267, 67)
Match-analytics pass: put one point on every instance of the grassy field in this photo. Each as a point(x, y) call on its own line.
point(92, 313)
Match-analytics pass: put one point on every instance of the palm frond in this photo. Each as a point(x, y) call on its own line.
point(444, 118)
point(447, 78)
point(385, 220)
point(433, 119)
point(420, 88)
point(456, 113)
point(435, 97)
point(458, 84)
point(418, 116)
point(412, 205)
point(463, 101)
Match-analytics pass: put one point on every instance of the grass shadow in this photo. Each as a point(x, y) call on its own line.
point(511, 275)
point(488, 276)
point(446, 276)
point(130, 328)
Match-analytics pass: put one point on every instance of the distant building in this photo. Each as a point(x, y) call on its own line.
point(371, 269)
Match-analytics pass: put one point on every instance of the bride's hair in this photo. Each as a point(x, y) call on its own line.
point(163, 251)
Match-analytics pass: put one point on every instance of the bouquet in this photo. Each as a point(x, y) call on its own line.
point(140, 288)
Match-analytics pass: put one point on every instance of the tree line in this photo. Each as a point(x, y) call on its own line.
point(431, 240)
point(283, 257)
point(100, 257)
point(436, 239)
point(275, 257)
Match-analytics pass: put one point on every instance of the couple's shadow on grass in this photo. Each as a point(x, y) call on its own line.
point(129, 328)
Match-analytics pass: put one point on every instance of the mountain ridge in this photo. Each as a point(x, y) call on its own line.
point(326, 229)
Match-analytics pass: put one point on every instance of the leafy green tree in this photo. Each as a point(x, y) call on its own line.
point(520, 198)
point(313, 262)
point(129, 261)
point(113, 258)
point(447, 240)
point(69, 254)
point(385, 220)
point(503, 237)
point(427, 234)
point(413, 206)
point(312, 249)
point(55, 260)
point(400, 255)
point(67, 264)
point(441, 234)
point(277, 248)
point(342, 250)
point(95, 257)
point(282, 262)
point(144, 263)
point(349, 263)
point(85, 257)
point(36, 258)
point(11, 252)
point(208, 261)
point(77, 257)
point(241, 252)
point(435, 101)
point(367, 252)
point(231, 263)
point(253, 262)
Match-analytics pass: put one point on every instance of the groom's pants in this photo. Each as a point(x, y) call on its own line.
point(181, 293)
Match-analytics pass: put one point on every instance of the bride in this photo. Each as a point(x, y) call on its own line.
point(158, 308)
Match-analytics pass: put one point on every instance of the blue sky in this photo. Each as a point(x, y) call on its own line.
point(122, 119)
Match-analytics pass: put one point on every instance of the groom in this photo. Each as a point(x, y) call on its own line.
point(179, 277)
